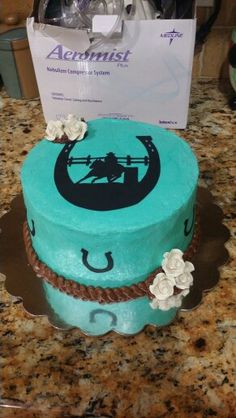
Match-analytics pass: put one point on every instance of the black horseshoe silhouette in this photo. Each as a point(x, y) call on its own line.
point(32, 230)
point(111, 195)
point(102, 311)
point(110, 262)
point(186, 230)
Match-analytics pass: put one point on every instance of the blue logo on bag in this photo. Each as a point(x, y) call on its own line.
point(171, 35)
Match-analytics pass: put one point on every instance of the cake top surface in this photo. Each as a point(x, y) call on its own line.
point(122, 174)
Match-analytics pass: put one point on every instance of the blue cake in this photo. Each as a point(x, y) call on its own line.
point(111, 225)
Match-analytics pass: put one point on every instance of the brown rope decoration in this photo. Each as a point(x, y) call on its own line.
point(98, 294)
point(62, 140)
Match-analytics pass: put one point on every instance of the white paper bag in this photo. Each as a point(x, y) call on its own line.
point(144, 75)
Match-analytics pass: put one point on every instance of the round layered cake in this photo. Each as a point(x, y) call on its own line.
point(102, 215)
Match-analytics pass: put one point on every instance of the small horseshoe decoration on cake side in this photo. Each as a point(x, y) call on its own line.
point(110, 262)
point(32, 230)
point(102, 311)
point(186, 230)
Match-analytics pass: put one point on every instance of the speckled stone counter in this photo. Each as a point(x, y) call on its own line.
point(184, 370)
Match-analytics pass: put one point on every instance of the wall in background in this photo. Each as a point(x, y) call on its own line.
point(16, 9)
point(211, 61)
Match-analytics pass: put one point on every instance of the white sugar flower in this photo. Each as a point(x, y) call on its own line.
point(162, 286)
point(74, 128)
point(185, 280)
point(54, 130)
point(173, 301)
point(173, 263)
point(185, 292)
point(177, 274)
point(188, 267)
point(154, 303)
point(70, 117)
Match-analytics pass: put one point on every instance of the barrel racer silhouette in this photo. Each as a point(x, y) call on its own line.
point(108, 195)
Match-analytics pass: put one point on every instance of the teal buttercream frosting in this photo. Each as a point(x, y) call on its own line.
point(92, 318)
point(147, 210)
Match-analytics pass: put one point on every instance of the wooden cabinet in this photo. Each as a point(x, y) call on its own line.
point(13, 13)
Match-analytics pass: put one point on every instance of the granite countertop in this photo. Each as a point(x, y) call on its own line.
point(185, 369)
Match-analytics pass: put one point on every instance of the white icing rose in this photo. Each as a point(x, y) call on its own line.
point(70, 117)
point(177, 273)
point(173, 301)
point(54, 130)
point(154, 303)
point(74, 128)
point(188, 267)
point(173, 263)
point(162, 286)
point(185, 292)
point(184, 280)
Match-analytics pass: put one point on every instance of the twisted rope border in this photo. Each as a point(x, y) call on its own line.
point(98, 294)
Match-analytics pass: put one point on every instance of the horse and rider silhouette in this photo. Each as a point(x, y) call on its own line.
point(109, 168)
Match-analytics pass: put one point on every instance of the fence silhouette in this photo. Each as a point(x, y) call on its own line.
point(128, 160)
